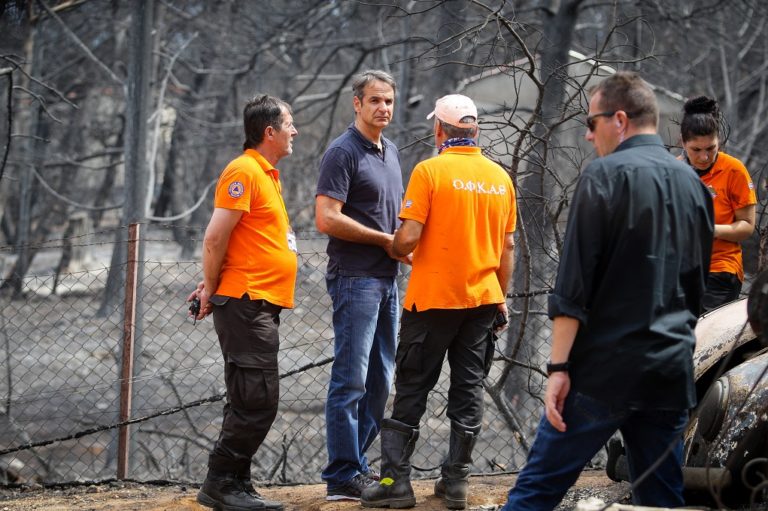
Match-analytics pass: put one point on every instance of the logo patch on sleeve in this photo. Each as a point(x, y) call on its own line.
point(408, 204)
point(236, 189)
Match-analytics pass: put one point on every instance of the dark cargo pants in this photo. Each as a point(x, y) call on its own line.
point(425, 338)
point(247, 331)
point(721, 288)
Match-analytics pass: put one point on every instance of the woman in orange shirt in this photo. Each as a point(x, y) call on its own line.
point(733, 196)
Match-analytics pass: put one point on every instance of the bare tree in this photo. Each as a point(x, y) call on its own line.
point(545, 55)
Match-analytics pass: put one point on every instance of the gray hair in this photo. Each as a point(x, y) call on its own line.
point(452, 131)
point(361, 80)
point(626, 90)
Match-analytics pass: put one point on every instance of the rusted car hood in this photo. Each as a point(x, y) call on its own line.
point(719, 331)
point(749, 399)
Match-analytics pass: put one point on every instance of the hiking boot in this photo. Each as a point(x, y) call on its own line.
point(225, 492)
point(372, 474)
point(269, 505)
point(350, 490)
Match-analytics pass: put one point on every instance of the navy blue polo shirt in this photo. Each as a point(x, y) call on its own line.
point(370, 184)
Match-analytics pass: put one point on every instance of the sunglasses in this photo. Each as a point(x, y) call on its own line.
point(591, 119)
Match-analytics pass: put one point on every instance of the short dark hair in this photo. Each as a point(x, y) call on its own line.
point(368, 76)
point(452, 131)
point(701, 118)
point(261, 111)
point(626, 91)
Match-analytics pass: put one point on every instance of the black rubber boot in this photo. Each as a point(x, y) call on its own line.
point(394, 490)
point(225, 492)
point(270, 505)
point(453, 484)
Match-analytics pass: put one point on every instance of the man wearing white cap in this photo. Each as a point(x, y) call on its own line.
point(458, 218)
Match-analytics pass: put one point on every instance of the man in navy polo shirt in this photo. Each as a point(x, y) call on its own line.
point(357, 202)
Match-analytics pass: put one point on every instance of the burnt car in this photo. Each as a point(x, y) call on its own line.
point(726, 440)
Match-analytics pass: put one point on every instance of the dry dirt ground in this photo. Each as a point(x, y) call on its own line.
point(486, 493)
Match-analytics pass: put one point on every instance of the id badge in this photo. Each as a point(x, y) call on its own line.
point(292, 242)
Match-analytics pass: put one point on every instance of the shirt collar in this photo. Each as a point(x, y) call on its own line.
point(462, 150)
point(263, 162)
point(640, 140)
point(365, 142)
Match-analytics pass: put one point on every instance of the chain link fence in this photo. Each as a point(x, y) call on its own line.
point(62, 331)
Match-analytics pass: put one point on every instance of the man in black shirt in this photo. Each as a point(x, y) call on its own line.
point(625, 304)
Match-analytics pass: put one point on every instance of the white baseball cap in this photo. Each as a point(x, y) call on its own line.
point(453, 108)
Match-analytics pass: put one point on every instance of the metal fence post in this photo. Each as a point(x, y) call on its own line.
point(129, 333)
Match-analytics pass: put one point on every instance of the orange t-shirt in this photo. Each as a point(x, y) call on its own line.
point(731, 187)
point(259, 260)
point(467, 205)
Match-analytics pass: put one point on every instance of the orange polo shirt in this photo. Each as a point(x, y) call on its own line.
point(258, 259)
point(731, 187)
point(467, 205)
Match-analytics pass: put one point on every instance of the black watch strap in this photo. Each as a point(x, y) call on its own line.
point(557, 368)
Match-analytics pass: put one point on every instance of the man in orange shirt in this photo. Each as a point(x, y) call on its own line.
point(458, 220)
point(249, 274)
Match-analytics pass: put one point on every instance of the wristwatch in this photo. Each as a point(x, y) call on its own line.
point(556, 368)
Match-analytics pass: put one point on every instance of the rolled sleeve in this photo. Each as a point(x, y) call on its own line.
point(559, 306)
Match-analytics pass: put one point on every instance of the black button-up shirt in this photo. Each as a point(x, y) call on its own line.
point(633, 269)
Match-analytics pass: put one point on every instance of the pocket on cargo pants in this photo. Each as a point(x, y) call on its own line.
point(409, 357)
point(253, 382)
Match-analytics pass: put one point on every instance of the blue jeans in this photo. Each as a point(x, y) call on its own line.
point(556, 459)
point(365, 328)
